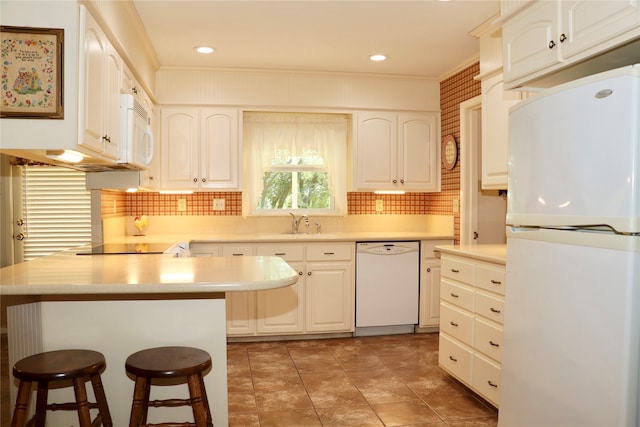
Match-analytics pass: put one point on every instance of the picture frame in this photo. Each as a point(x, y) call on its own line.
point(31, 73)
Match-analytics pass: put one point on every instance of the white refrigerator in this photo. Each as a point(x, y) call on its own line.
point(572, 304)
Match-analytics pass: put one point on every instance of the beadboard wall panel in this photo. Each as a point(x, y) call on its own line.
point(300, 90)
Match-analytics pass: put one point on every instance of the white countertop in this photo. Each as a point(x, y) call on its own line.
point(490, 253)
point(288, 237)
point(66, 273)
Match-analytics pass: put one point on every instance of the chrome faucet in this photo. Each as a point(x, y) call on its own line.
point(295, 224)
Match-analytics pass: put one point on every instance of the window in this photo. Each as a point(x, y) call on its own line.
point(56, 210)
point(295, 161)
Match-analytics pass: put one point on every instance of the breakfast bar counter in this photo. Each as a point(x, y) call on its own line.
point(119, 304)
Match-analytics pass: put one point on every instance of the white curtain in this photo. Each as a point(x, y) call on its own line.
point(271, 139)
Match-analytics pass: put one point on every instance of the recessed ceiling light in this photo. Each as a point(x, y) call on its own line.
point(204, 49)
point(378, 57)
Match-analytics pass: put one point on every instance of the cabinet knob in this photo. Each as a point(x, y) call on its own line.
point(309, 273)
point(552, 44)
point(428, 269)
point(300, 273)
point(402, 181)
point(195, 179)
point(395, 181)
point(204, 179)
point(562, 38)
point(106, 138)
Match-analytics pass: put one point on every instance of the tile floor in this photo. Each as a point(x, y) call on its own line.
point(367, 381)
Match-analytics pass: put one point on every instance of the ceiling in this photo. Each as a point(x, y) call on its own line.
point(424, 38)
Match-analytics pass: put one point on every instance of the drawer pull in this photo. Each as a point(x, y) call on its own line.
point(237, 254)
point(281, 253)
point(495, 310)
point(496, 282)
point(329, 253)
point(492, 384)
point(453, 270)
point(453, 359)
point(494, 344)
point(454, 324)
point(454, 295)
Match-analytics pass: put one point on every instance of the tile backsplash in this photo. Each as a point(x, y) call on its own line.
point(156, 204)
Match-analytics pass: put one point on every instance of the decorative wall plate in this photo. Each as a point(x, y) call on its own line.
point(449, 152)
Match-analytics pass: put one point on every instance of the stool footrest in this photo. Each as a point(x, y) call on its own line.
point(185, 424)
point(70, 406)
point(170, 403)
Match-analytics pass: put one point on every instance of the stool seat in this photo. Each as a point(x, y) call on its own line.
point(76, 365)
point(175, 362)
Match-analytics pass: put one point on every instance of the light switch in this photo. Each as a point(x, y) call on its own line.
point(379, 206)
point(456, 205)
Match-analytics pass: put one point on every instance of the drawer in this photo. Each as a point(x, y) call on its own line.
point(455, 358)
point(238, 250)
point(487, 338)
point(486, 379)
point(456, 322)
point(429, 247)
point(286, 252)
point(330, 252)
point(459, 295)
point(457, 269)
point(490, 306)
point(203, 249)
point(491, 279)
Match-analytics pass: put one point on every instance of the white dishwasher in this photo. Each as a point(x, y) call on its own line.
point(387, 287)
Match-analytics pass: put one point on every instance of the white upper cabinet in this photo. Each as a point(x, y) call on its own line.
point(548, 36)
point(397, 151)
point(200, 148)
point(101, 69)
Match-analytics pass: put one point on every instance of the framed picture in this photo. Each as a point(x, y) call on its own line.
point(31, 75)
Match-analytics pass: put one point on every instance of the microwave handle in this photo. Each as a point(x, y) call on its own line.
point(150, 142)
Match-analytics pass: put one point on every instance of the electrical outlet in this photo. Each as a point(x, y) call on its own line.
point(218, 204)
point(379, 206)
point(115, 207)
point(182, 205)
point(456, 205)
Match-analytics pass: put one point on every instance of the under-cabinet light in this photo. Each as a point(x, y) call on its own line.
point(64, 155)
point(388, 192)
point(176, 191)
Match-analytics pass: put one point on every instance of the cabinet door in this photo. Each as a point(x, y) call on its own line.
point(113, 69)
point(376, 152)
point(587, 24)
point(241, 313)
point(329, 297)
point(526, 40)
point(418, 152)
point(282, 310)
point(430, 293)
point(495, 132)
point(219, 149)
point(179, 147)
point(94, 49)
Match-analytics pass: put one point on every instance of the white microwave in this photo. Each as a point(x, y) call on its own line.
point(136, 137)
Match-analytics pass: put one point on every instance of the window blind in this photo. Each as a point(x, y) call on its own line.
point(56, 210)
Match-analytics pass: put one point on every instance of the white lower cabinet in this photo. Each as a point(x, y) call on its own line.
point(429, 315)
point(322, 301)
point(471, 313)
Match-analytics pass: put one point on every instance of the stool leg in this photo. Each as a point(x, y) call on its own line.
point(41, 403)
point(205, 400)
point(199, 412)
point(139, 406)
point(101, 400)
point(22, 401)
point(82, 401)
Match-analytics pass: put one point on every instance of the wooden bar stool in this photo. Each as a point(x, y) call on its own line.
point(77, 366)
point(169, 363)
